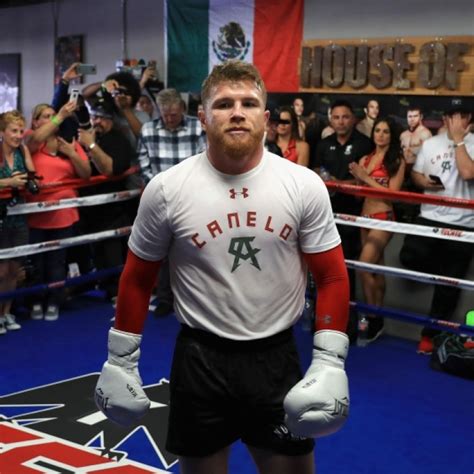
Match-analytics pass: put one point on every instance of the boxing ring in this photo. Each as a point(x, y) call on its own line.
point(342, 219)
point(388, 404)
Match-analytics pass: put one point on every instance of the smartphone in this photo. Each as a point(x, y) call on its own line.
point(436, 179)
point(86, 69)
point(152, 65)
point(74, 95)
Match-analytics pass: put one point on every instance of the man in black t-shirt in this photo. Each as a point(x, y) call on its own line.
point(110, 154)
point(334, 153)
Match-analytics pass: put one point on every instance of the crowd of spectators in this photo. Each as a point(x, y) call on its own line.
point(122, 122)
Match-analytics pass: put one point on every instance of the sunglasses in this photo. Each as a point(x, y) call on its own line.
point(284, 122)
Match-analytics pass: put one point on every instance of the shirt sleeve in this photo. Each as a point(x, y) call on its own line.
point(151, 233)
point(318, 231)
point(420, 159)
point(143, 156)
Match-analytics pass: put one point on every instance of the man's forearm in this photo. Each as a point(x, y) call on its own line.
point(418, 179)
point(464, 162)
point(135, 124)
point(102, 160)
point(90, 90)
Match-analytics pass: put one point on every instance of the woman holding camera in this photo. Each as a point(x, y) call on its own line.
point(15, 162)
point(55, 160)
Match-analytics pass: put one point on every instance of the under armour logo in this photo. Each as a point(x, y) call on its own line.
point(234, 193)
point(241, 248)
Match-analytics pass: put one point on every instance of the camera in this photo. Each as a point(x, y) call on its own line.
point(83, 117)
point(31, 185)
point(154, 85)
point(86, 69)
point(74, 95)
point(120, 90)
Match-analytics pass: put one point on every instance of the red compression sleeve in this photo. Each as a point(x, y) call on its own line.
point(332, 283)
point(136, 283)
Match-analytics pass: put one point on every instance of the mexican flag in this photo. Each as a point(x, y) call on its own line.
point(202, 33)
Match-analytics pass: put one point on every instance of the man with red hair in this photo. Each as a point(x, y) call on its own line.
point(240, 227)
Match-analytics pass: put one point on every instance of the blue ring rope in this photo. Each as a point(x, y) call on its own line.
point(414, 318)
point(91, 276)
point(409, 317)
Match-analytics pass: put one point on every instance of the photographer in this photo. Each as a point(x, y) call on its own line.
point(15, 163)
point(151, 86)
point(119, 93)
point(56, 160)
point(110, 154)
point(80, 118)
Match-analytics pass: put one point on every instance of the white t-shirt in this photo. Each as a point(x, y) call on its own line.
point(437, 157)
point(234, 242)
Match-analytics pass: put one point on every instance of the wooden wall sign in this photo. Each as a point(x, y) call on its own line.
point(418, 65)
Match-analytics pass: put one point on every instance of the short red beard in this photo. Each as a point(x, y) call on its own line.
point(236, 149)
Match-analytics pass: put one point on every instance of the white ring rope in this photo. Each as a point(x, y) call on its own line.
point(96, 200)
point(414, 229)
point(345, 219)
point(411, 275)
point(23, 250)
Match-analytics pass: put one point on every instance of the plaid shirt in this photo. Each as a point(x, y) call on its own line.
point(159, 149)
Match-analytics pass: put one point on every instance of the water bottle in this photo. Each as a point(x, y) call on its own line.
point(362, 330)
point(325, 175)
point(73, 270)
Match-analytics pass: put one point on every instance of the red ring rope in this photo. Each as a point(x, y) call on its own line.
point(71, 183)
point(414, 198)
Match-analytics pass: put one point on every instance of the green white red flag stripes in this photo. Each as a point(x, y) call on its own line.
point(202, 33)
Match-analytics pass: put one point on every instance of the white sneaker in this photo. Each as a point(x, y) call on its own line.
point(11, 323)
point(52, 313)
point(36, 312)
point(3, 329)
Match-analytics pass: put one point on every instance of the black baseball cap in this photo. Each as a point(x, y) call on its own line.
point(457, 105)
point(101, 110)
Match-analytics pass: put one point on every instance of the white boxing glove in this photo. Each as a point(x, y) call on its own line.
point(119, 393)
point(318, 405)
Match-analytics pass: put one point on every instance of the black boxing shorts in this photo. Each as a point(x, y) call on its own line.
point(223, 390)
